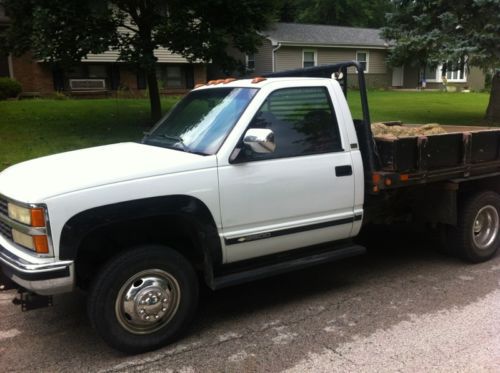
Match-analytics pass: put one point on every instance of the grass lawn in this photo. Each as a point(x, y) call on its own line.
point(32, 128)
point(423, 107)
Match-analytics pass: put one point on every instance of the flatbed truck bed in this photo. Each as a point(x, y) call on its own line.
point(462, 152)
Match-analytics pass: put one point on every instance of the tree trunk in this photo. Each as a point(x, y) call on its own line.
point(154, 95)
point(493, 111)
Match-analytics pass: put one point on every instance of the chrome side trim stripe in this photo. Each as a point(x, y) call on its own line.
point(283, 232)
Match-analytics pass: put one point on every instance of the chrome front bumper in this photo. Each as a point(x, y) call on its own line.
point(47, 278)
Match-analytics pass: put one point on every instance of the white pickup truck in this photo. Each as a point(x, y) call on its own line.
point(243, 179)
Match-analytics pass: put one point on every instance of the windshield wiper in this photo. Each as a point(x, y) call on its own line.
point(178, 140)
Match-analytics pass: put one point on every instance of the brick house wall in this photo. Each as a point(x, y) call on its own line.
point(200, 74)
point(37, 78)
point(128, 78)
point(33, 76)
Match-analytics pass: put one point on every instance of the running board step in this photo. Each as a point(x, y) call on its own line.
point(287, 266)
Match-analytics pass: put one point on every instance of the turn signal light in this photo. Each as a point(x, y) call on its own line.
point(37, 218)
point(41, 244)
point(34, 217)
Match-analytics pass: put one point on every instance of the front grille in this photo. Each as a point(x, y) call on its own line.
point(3, 206)
point(5, 231)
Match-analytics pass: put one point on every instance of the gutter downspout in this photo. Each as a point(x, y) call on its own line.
point(274, 57)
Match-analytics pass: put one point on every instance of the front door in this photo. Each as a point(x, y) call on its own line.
point(302, 194)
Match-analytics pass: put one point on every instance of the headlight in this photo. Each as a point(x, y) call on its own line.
point(24, 235)
point(40, 244)
point(23, 239)
point(34, 217)
point(20, 214)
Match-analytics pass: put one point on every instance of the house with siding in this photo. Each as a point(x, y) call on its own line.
point(285, 46)
point(290, 46)
point(99, 73)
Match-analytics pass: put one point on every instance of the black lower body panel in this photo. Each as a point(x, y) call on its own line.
point(279, 264)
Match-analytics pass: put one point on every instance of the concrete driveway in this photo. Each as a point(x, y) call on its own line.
point(402, 307)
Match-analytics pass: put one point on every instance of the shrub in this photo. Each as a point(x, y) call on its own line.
point(9, 88)
point(57, 96)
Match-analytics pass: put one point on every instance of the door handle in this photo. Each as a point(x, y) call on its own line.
point(343, 170)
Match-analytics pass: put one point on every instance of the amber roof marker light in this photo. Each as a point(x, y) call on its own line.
point(258, 79)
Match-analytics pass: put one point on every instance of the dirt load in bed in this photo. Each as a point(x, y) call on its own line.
point(435, 148)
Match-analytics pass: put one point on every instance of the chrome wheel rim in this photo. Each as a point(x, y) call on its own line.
point(147, 301)
point(485, 227)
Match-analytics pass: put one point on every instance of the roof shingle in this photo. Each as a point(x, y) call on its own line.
point(310, 34)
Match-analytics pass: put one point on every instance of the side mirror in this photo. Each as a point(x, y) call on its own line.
point(260, 140)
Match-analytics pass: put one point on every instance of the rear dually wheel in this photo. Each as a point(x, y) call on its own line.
point(476, 238)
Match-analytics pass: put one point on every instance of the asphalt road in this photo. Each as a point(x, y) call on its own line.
point(402, 307)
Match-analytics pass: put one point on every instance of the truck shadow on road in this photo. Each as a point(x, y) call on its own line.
point(401, 275)
point(409, 263)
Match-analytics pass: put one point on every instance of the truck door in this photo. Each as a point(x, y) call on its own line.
point(301, 194)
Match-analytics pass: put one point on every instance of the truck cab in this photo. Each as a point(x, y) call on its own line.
point(237, 171)
point(290, 156)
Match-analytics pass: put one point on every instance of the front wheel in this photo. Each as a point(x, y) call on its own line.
point(143, 299)
point(476, 238)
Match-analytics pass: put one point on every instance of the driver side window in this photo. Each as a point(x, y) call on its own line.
point(303, 123)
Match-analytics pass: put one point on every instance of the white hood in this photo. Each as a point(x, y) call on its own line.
point(35, 180)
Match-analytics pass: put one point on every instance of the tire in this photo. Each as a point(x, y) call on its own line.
point(476, 238)
point(143, 299)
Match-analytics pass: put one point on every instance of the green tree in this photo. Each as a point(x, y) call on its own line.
point(357, 13)
point(63, 32)
point(431, 32)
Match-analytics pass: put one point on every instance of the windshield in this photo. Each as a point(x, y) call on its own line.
point(201, 121)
